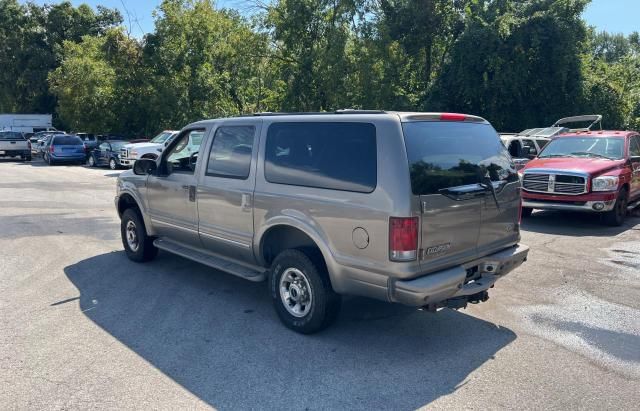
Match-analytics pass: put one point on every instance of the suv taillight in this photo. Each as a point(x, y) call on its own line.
point(403, 238)
point(51, 148)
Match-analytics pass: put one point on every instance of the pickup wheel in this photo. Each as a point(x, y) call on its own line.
point(302, 293)
point(616, 217)
point(137, 244)
point(526, 212)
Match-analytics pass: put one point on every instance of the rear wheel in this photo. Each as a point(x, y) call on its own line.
point(137, 244)
point(526, 212)
point(302, 293)
point(616, 217)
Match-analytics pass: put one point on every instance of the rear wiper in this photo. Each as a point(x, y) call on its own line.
point(488, 184)
point(588, 153)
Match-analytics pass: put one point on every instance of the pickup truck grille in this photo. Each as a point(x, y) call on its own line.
point(554, 183)
point(124, 153)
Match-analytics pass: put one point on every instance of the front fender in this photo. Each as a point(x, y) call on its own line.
point(133, 188)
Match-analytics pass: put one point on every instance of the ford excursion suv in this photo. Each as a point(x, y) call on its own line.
point(592, 171)
point(420, 209)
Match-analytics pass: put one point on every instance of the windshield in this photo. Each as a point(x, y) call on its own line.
point(596, 147)
point(117, 145)
point(10, 135)
point(161, 138)
point(447, 154)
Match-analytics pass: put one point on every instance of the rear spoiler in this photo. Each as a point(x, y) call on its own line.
point(594, 119)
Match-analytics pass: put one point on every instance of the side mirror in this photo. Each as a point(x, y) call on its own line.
point(144, 166)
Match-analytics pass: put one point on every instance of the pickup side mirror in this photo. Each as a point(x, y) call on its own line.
point(144, 166)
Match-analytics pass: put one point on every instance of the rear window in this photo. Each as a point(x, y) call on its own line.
point(335, 156)
point(11, 135)
point(451, 154)
point(67, 141)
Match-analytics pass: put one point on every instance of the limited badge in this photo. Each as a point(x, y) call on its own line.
point(438, 249)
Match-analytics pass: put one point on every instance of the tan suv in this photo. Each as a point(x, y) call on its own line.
point(421, 209)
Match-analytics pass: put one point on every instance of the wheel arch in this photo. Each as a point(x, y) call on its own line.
point(286, 233)
point(128, 200)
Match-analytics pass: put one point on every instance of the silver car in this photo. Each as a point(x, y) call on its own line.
point(421, 209)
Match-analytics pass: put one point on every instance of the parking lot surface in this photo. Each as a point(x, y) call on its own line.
point(83, 327)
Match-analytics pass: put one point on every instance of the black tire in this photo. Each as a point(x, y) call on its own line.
point(616, 217)
point(113, 165)
point(526, 212)
point(324, 304)
point(145, 250)
point(91, 161)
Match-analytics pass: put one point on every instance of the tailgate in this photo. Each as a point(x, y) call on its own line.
point(467, 186)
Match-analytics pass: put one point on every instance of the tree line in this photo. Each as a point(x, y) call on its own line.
point(519, 64)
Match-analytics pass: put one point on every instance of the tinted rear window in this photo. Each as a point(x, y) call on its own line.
point(11, 135)
point(67, 141)
point(452, 154)
point(336, 156)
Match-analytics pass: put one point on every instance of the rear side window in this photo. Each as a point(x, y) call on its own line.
point(452, 154)
point(231, 150)
point(335, 156)
point(67, 141)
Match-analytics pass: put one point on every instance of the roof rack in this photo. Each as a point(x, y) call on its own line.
point(311, 113)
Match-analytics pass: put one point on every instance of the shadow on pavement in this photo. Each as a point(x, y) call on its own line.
point(575, 224)
point(219, 337)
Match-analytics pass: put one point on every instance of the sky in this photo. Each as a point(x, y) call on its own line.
point(616, 16)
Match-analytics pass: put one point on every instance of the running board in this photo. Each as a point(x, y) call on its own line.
point(632, 206)
point(211, 260)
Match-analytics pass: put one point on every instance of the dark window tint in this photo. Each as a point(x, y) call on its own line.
point(67, 141)
point(11, 135)
point(230, 154)
point(448, 154)
point(337, 156)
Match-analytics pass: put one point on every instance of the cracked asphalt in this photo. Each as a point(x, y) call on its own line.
point(83, 327)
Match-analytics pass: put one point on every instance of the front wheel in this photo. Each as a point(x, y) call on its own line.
point(91, 162)
point(616, 217)
point(302, 293)
point(137, 244)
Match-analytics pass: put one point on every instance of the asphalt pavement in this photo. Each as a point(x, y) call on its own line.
point(82, 327)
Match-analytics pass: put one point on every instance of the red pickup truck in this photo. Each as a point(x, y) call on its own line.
point(594, 171)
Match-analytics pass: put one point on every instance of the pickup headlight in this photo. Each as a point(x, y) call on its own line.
point(606, 183)
point(134, 154)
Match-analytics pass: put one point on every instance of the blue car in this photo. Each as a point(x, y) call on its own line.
point(107, 154)
point(64, 148)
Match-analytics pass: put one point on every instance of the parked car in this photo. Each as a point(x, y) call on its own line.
point(14, 144)
point(40, 139)
point(64, 148)
point(414, 208)
point(131, 152)
point(592, 171)
point(107, 154)
point(90, 141)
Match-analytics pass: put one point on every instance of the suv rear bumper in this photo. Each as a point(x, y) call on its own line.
point(452, 283)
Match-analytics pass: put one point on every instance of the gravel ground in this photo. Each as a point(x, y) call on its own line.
point(83, 327)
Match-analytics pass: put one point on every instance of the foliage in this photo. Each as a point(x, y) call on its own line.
point(519, 64)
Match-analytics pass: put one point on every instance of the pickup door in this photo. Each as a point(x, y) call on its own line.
point(225, 194)
point(171, 194)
